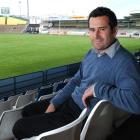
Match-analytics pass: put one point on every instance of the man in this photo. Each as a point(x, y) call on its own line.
point(108, 71)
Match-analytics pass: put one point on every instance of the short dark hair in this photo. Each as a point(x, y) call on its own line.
point(103, 11)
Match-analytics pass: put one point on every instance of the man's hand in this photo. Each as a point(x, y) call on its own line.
point(51, 108)
point(87, 94)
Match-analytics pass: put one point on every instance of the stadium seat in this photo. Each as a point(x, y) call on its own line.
point(67, 80)
point(24, 100)
point(14, 98)
point(99, 122)
point(58, 86)
point(1, 100)
point(48, 96)
point(70, 131)
point(32, 91)
point(102, 121)
point(44, 90)
point(7, 121)
point(5, 105)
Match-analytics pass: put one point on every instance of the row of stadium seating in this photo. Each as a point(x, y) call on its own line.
point(51, 88)
point(10, 110)
point(19, 100)
point(71, 131)
point(12, 28)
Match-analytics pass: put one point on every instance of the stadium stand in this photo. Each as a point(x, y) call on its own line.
point(12, 24)
point(78, 25)
point(12, 28)
point(32, 28)
point(12, 20)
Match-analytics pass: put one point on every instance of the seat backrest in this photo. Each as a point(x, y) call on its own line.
point(44, 90)
point(35, 91)
point(5, 105)
point(58, 85)
point(70, 131)
point(48, 96)
point(99, 122)
point(14, 99)
point(1, 100)
point(67, 80)
point(25, 99)
point(7, 121)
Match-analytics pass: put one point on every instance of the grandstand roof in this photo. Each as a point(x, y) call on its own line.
point(137, 15)
point(12, 20)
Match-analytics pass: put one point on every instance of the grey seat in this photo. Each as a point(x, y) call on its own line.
point(7, 121)
point(32, 91)
point(48, 96)
point(102, 120)
point(44, 90)
point(58, 85)
point(99, 122)
point(24, 100)
point(14, 99)
point(5, 105)
point(1, 100)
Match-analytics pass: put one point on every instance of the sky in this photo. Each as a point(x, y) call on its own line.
point(46, 8)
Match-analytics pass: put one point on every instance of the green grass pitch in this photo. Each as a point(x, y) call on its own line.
point(27, 53)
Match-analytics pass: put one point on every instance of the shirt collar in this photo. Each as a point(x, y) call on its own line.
point(110, 51)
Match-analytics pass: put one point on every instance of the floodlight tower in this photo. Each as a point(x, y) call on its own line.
point(19, 2)
point(28, 9)
point(59, 25)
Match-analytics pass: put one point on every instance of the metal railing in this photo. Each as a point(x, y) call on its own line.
point(22, 83)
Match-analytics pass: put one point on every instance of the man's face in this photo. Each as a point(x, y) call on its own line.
point(100, 32)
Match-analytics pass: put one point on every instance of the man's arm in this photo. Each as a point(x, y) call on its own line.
point(66, 92)
point(126, 93)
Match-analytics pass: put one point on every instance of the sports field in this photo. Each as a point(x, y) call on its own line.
point(27, 53)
